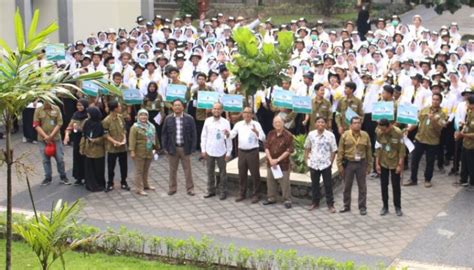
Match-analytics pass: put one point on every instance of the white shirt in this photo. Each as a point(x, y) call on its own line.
point(322, 146)
point(213, 141)
point(247, 138)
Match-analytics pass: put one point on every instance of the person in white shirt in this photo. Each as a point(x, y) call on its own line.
point(216, 148)
point(249, 132)
point(320, 151)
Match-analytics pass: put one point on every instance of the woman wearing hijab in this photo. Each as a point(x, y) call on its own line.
point(153, 104)
point(74, 134)
point(142, 142)
point(93, 148)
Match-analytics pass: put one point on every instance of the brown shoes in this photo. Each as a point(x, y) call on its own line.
point(240, 198)
point(428, 184)
point(142, 193)
point(171, 193)
point(331, 209)
point(409, 183)
point(150, 188)
point(313, 206)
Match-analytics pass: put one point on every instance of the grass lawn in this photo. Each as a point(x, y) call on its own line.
point(24, 258)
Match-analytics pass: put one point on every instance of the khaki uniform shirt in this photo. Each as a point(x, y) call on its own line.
point(320, 109)
point(468, 143)
point(94, 149)
point(354, 147)
point(429, 132)
point(354, 103)
point(114, 126)
point(156, 105)
point(390, 147)
point(48, 119)
point(137, 143)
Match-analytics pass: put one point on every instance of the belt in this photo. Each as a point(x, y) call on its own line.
point(179, 145)
point(248, 150)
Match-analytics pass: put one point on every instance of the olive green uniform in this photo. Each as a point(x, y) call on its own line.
point(48, 119)
point(355, 156)
point(143, 156)
point(354, 103)
point(321, 108)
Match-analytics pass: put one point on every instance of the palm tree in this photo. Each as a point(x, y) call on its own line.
point(21, 83)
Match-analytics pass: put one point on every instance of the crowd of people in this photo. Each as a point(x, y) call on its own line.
point(398, 62)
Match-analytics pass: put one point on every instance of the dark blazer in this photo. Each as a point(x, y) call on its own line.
point(168, 134)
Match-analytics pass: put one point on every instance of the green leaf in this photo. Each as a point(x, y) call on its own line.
point(19, 31)
point(268, 49)
point(33, 25)
point(5, 46)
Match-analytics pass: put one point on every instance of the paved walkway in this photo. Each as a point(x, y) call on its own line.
point(366, 240)
point(464, 17)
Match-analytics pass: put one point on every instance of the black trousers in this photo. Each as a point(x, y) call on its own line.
point(199, 126)
point(457, 155)
point(467, 166)
point(420, 149)
point(446, 145)
point(369, 126)
point(315, 188)
point(384, 179)
point(111, 160)
point(94, 175)
point(28, 131)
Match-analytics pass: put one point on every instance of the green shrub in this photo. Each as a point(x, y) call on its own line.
point(297, 157)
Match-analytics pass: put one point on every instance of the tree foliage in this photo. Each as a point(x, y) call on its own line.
point(258, 65)
point(48, 235)
point(447, 5)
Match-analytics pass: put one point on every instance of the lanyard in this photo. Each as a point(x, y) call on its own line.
point(353, 139)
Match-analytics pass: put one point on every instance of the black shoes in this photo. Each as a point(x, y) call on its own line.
point(125, 187)
point(363, 211)
point(223, 196)
point(287, 205)
point(383, 211)
point(64, 181)
point(209, 195)
point(398, 211)
point(268, 202)
point(344, 210)
point(46, 181)
point(78, 183)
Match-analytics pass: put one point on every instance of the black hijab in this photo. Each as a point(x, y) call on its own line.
point(93, 126)
point(151, 96)
point(81, 115)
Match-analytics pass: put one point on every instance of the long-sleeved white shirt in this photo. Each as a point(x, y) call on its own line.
point(247, 138)
point(213, 139)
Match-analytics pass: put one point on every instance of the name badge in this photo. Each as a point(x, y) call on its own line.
point(428, 122)
point(387, 147)
point(250, 140)
point(51, 122)
point(153, 106)
point(218, 135)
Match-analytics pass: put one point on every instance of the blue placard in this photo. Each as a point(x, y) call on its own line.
point(302, 104)
point(206, 99)
point(132, 97)
point(176, 91)
point(383, 109)
point(349, 115)
point(407, 114)
point(89, 88)
point(55, 52)
point(283, 98)
point(233, 103)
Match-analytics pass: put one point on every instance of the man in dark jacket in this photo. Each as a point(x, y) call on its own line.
point(178, 137)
